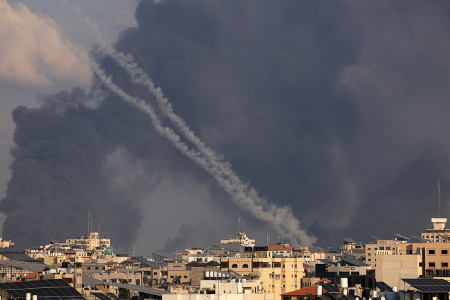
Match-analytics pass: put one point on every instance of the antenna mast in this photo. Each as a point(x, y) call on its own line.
point(439, 197)
point(89, 222)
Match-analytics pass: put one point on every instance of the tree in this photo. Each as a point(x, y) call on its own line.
point(310, 297)
point(124, 294)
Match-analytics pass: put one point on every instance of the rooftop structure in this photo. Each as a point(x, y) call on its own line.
point(240, 238)
point(439, 233)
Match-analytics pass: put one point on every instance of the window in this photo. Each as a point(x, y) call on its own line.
point(381, 248)
point(276, 265)
point(369, 259)
point(155, 273)
point(368, 248)
point(431, 264)
point(444, 252)
point(171, 276)
point(96, 268)
point(234, 266)
point(245, 266)
point(88, 268)
point(445, 265)
point(388, 248)
point(185, 276)
point(224, 265)
point(420, 264)
point(431, 252)
point(284, 276)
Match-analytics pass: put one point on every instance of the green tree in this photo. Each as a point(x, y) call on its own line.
point(310, 297)
point(124, 294)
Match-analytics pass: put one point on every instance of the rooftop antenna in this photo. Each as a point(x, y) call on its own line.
point(89, 222)
point(439, 197)
point(239, 220)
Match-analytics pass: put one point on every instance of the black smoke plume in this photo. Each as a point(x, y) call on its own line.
point(338, 109)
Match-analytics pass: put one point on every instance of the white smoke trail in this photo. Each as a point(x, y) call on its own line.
point(282, 218)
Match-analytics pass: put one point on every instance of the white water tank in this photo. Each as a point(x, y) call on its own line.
point(394, 289)
point(344, 283)
point(373, 294)
point(207, 274)
point(319, 290)
point(28, 296)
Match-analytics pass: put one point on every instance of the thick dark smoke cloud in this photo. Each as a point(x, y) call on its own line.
point(338, 109)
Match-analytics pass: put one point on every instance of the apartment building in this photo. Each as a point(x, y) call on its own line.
point(277, 274)
point(89, 242)
point(381, 247)
point(412, 260)
point(240, 238)
point(6, 244)
point(439, 233)
point(307, 255)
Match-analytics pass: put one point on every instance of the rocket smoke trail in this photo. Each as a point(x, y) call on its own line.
point(282, 218)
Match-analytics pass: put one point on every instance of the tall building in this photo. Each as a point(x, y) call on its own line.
point(240, 238)
point(439, 233)
point(90, 242)
point(277, 274)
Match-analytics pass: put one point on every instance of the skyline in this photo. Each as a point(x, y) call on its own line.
point(336, 110)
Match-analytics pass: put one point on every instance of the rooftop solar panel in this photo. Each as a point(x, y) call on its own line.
point(54, 289)
point(429, 285)
point(113, 296)
point(339, 296)
point(330, 288)
point(383, 287)
point(101, 296)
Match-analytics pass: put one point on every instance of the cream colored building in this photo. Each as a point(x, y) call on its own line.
point(439, 233)
point(412, 260)
point(241, 238)
point(382, 247)
point(6, 244)
point(91, 241)
point(307, 255)
point(391, 268)
point(277, 275)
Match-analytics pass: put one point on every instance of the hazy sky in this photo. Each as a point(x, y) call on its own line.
point(331, 113)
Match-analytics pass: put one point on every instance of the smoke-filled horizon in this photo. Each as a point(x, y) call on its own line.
point(280, 218)
point(335, 112)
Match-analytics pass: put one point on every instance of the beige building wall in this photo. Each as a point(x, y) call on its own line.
point(277, 275)
point(90, 241)
point(6, 244)
point(178, 270)
point(260, 296)
point(382, 247)
point(391, 268)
